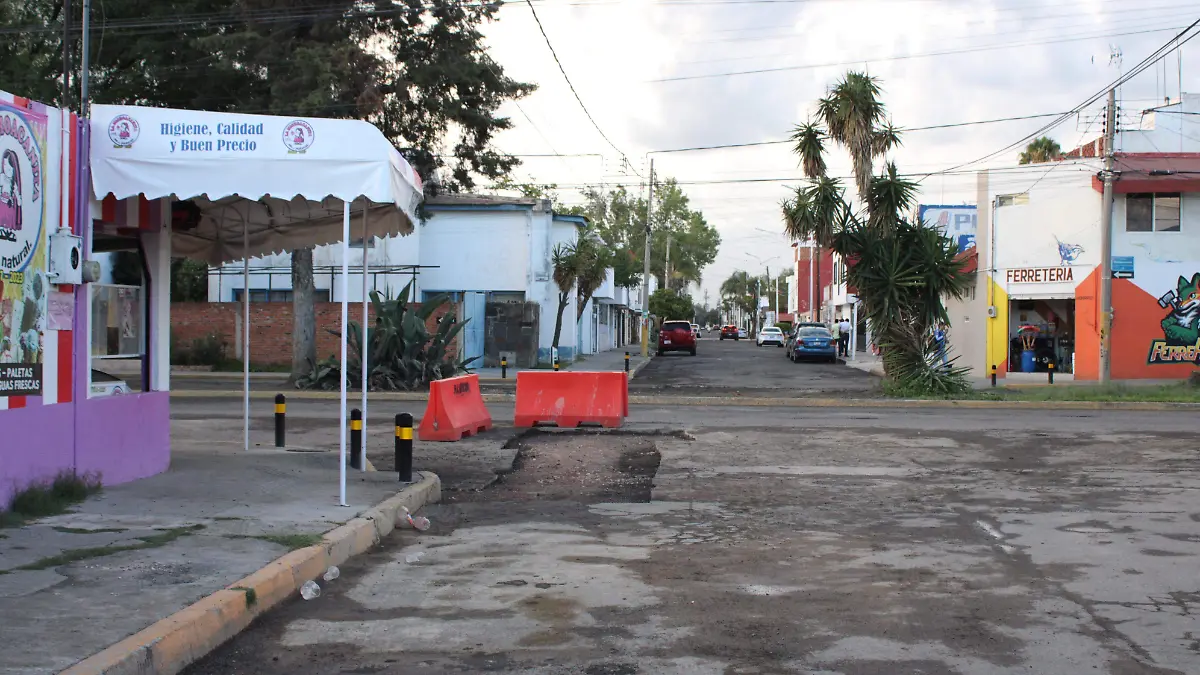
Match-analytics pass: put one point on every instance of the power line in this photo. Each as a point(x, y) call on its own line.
point(927, 128)
point(1145, 14)
point(572, 87)
point(1145, 63)
point(902, 57)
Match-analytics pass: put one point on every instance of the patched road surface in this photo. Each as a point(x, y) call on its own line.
point(740, 368)
point(980, 544)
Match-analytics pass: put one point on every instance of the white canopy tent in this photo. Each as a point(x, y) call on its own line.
point(261, 184)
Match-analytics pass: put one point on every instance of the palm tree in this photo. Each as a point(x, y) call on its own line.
point(901, 269)
point(1040, 150)
point(567, 263)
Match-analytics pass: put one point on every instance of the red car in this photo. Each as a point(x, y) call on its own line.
point(676, 336)
point(730, 332)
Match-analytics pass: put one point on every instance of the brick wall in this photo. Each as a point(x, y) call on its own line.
point(270, 326)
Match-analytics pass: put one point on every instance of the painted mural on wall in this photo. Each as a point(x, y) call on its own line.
point(23, 285)
point(959, 223)
point(1181, 326)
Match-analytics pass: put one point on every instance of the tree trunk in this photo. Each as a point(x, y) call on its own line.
point(563, 299)
point(304, 314)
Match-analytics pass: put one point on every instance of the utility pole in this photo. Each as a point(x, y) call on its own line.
point(667, 264)
point(1106, 209)
point(646, 270)
point(85, 60)
point(67, 42)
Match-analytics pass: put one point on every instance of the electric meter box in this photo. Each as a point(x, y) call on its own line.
point(66, 258)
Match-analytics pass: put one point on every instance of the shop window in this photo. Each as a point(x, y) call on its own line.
point(118, 321)
point(1012, 200)
point(1152, 212)
point(280, 295)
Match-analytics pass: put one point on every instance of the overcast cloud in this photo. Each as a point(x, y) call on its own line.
point(614, 50)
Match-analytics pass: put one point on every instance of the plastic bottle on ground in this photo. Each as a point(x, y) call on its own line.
point(310, 590)
point(332, 573)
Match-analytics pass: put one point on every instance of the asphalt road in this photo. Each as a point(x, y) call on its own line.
point(740, 368)
point(727, 539)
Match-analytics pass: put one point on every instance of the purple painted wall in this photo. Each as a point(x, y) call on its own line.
point(124, 438)
point(39, 441)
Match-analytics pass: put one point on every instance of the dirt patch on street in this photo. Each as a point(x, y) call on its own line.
point(576, 466)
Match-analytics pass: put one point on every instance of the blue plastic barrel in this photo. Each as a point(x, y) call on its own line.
point(1028, 362)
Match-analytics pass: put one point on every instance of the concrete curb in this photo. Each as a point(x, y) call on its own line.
point(170, 645)
point(911, 403)
point(774, 402)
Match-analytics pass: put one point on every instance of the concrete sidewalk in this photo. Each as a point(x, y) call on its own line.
point(611, 360)
point(76, 584)
point(187, 379)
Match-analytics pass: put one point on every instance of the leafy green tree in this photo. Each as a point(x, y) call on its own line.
point(189, 280)
point(902, 269)
point(620, 219)
point(668, 305)
point(1040, 150)
point(417, 69)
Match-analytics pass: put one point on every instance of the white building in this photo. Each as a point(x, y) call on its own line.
point(491, 254)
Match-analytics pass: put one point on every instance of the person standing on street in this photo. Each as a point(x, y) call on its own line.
point(844, 337)
point(940, 339)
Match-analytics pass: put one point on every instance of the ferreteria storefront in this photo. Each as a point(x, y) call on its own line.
point(1045, 247)
point(1041, 318)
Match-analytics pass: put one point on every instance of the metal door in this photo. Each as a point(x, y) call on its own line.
point(474, 310)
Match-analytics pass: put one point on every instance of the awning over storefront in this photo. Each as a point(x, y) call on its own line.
point(1154, 172)
point(283, 179)
point(256, 184)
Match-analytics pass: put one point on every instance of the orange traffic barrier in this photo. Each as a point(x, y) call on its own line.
point(570, 398)
point(455, 410)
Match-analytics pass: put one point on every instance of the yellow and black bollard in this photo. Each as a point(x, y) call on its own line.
point(627, 362)
point(404, 446)
point(1050, 371)
point(356, 453)
point(504, 367)
point(556, 364)
point(280, 421)
point(993, 374)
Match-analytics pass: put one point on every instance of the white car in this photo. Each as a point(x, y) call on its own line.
point(771, 335)
point(741, 333)
point(696, 329)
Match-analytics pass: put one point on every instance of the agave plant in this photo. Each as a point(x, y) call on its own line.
point(403, 353)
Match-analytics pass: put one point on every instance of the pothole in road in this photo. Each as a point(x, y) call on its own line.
point(579, 466)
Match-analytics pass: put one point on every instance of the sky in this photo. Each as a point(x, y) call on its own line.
point(660, 75)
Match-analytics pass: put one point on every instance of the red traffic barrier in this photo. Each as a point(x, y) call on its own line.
point(455, 409)
point(571, 398)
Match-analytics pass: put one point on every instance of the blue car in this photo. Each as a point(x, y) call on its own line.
point(812, 342)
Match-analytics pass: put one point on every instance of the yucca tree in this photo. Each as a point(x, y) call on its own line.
point(901, 270)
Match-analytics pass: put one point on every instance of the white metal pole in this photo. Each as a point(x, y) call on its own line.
point(246, 333)
point(854, 330)
point(365, 346)
point(344, 287)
